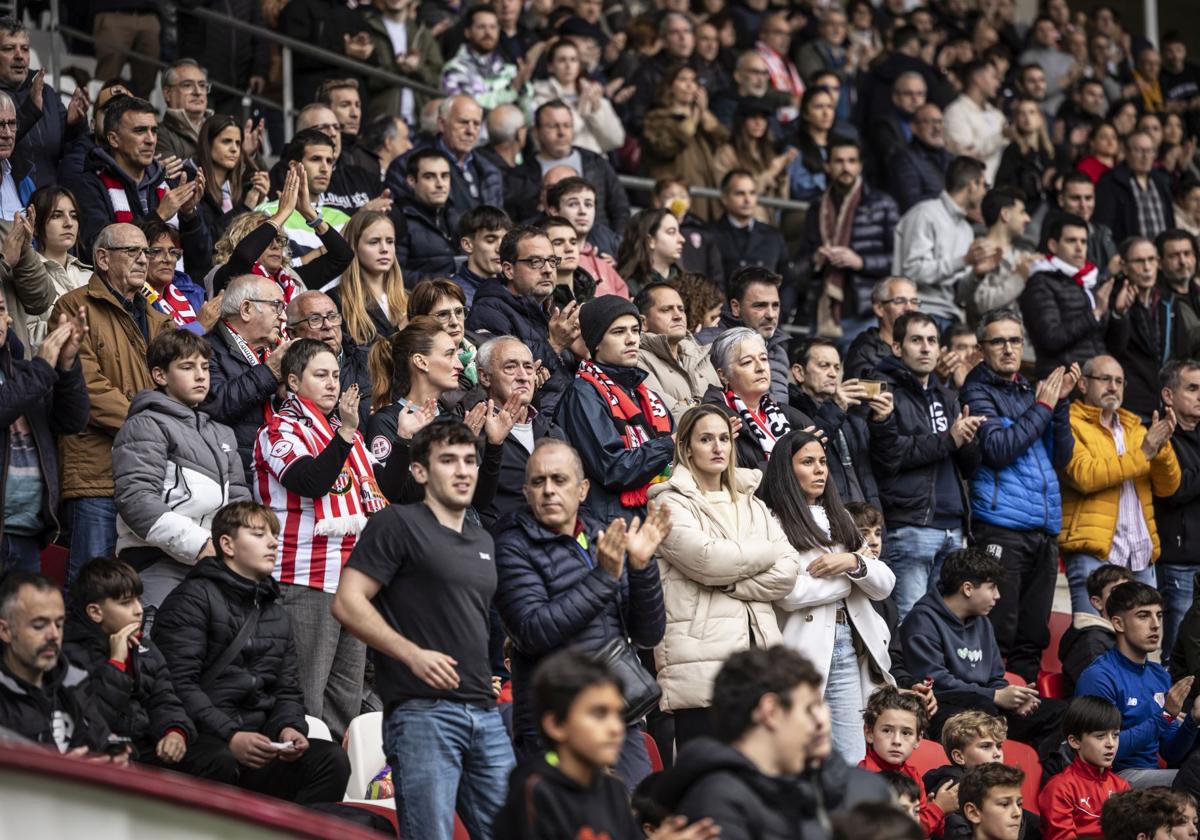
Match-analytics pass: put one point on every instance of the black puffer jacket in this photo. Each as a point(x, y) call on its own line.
point(866, 351)
point(853, 430)
point(906, 453)
point(260, 690)
point(237, 392)
point(139, 702)
point(66, 694)
point(428, 248)
point(1178, 516)
point(1058, 317)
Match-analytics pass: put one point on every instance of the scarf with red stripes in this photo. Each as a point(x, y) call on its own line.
point(119, 199)
point(637, 423)
point(172, 303)
point(285, 279)
point(355, 494)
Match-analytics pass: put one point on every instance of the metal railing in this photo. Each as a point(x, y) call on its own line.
point(289, 45)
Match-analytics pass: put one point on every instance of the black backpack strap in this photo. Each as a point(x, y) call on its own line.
point(230, 653)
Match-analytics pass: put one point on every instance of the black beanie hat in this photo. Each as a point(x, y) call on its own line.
point(597, 315)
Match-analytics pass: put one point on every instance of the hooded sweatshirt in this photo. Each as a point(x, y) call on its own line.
point(961, 656)
point(930, 814)
point(1087, 638)
point(1070, 802)
point(545, 804)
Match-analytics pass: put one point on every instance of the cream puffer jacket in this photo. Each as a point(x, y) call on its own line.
point(722, 566)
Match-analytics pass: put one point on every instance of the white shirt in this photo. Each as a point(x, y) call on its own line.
point(10, 201)
point(968, 125)
point(398, 34)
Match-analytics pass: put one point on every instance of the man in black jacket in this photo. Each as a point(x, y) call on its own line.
point(1177, 515)
point(891, 298)
point(1077, 197)
point(244, 694)
point(1139, 340)
point(427, 248)
point(43, 697)
point(40, 398)
point(921, 453)
point(917, 170)
point(1134, 198)
point(314, 315)
point(742, 239)
point(247, 355)
point(560, 584)
point(1178, 288)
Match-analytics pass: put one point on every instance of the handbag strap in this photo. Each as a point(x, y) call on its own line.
point(230, 653)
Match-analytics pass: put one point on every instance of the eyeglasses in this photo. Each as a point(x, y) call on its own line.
point(537, 263)
point(277, 304)
point(156, 253)
point(194, 87)
point(902, 301)
point(8, 125)
point(326, 128)
point(280, 241)
point(1119, 381)
point(444, 315)
point(334, 319)
point(999, 343)
point(132, 251)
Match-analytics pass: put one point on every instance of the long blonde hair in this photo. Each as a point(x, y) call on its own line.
point(242, 226)
point(353, 284)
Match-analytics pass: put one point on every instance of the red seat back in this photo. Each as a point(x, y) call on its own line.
point(1059, 624)
point(54, 563)
point(1024, 756)
point(928, 755)
point(656, 762)
point(1014, 679)
point(1051, 685)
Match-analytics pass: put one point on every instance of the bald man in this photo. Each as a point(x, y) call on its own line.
point(315, 315)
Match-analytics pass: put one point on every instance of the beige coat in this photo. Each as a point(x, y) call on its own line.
point(722, 566)
point(680, 381)
point(66, 278)
point(28, 290)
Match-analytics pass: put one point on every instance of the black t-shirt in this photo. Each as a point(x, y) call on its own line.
point(437, 588)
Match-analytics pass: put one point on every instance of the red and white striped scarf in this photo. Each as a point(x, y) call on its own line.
point(119, 199)
point(284, 278)
point(784, 77)
point(355, 494)
point(172, 302)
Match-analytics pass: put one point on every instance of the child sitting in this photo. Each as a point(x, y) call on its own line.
point(130, 681)
point(1090, 635)
point(1139, 815)
point(992, 802)
point(893, 724)
point(1071, 801)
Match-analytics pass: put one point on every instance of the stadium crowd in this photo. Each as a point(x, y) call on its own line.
point(425, 412)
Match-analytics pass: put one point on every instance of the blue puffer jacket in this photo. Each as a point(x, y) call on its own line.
point(1023, 443)
point(552, 594)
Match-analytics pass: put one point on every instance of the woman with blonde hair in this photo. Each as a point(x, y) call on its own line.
point(723, 565)
point(1029, 161)
point(255, 243)
point(370, 293)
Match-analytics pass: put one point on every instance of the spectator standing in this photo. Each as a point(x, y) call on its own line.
point(752, 148)
point(43, 397)
point(315, 315)
point(806, 174)
point(677, 35)
point(752, 300)
point(596, 125)
point(922, 453)
point(322, 486)
point(677, 367)
point(936, 246)
point(231, 56)
point(1025, 438)
point(417, 590)
point(565, 580)
point(1138, 339)
point(1176, 567)
point(113, 355)
point(725, 550)
point(1180, 290)
point(917, 169)
point(185, 89)
point(741, 236)
point(828, 52)
point(232, 184)
point(404, 46)
point(55, 219)
point(891, 297)
point(1134, 199)
point(1117, 466)
point(893, 129)
point(774, 46)
point(1058, 66)
point(370, 293)
point(974, 126)
point(1066, 310)
point(1004, 212)
point(829, 613)
point(127, 25)
point(848, 240)
point(480, 70)
point(1029, 162)
point(254, 699)
point(173, 468)
point(247, 353)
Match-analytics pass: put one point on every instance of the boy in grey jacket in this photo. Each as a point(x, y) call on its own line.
point(174, 467)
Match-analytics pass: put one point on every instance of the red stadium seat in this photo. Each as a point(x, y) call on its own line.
point(656, 762)
point(54, 563)
point(928, 755)
point(1014, 679)
point(1051, 685)
point(1024, 756)
point(1059, 624)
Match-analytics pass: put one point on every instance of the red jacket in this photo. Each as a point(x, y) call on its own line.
point(933, 819)
point(1071, 801)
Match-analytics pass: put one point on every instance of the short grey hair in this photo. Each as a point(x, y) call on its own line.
point(721, 353)
point(670, 16)
point(1090, 364)
point(427, 122)
point(504, 123)
point(882, 288)
point(170, 75)
point(483, 356)
point(241, 289)
point(1173, 371)
point(446, 104)
point(107, 238)
point(293, 308)
point(7, 102)
point(546, 443)
point(995, 316)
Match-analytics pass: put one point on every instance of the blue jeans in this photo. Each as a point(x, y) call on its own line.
point(446, 754)
point(916, 555)
point(19, 553)
point(93, 525)
point(1079, 566)
point(843, 693)
point(1175, 584)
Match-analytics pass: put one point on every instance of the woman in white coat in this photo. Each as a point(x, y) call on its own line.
point(723, 564)
point(828, 614)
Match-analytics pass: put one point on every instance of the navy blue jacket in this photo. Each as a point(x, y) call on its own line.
point(762, 245)
point(1023, 443)
point(44, 134)
point(1116, 208)
point(585, 418)
point(962, 657)
point(916, 172)
point(54, 403)
point(428, 248)
point(552, 594)
point(612, 202)
point(237, 393)
point(488, 177)
point(906, 453)
point(1179, 514)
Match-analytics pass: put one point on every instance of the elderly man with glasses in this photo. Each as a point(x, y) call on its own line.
point(1134, 198)
point(185, 89)
point(247, 354)
point(315, 315)
point(1025, 439)
point(113, 353)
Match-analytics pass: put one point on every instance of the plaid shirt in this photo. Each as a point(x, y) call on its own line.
point(1152, 219)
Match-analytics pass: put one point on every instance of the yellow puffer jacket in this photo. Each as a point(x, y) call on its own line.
point(1091, 486)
